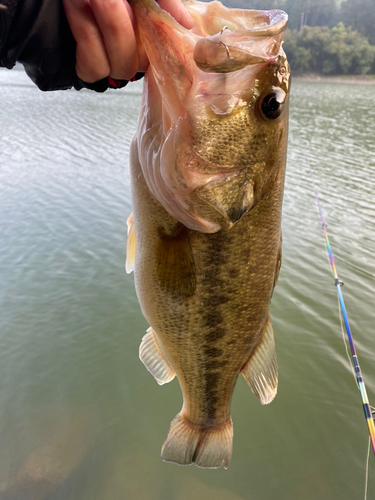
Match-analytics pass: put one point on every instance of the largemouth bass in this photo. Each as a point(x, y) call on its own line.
point(207, 168)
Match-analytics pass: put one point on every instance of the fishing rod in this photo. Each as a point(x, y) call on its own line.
point(338, 283)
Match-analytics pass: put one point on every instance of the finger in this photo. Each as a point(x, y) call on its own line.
point(178, 11)
point(92, 63)
point(114, 18)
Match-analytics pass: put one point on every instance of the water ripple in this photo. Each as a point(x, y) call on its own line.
point(70, 323)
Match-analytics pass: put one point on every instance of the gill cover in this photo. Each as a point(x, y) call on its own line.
point(202, 144)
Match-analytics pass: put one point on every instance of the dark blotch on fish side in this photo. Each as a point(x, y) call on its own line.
point(215, 334)
point(212, 317)
point(215, 363)
point(211, 381)
point(233, 273)
point(216, 293)
point(213, 352)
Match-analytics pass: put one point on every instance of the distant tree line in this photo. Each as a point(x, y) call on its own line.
point(335, 51)
point(328, 37)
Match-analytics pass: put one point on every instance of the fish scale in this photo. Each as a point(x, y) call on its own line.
point(205, 242)
point(228, 138)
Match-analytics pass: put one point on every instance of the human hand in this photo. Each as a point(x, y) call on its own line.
point(106, 41)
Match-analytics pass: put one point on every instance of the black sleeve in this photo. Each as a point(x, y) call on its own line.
point(36, 33)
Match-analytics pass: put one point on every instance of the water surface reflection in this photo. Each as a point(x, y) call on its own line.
point(80, 417)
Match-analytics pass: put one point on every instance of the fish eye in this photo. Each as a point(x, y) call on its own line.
point(271, 105)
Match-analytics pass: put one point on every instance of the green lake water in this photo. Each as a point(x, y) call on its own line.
point(80, 417)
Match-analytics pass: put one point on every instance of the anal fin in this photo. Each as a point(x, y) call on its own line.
point(130, 245)
point(260, 372)
point(154, 361)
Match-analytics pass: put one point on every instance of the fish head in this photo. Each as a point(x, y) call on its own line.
point(212, 132)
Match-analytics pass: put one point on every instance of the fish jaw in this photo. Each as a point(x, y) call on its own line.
point(190, 88)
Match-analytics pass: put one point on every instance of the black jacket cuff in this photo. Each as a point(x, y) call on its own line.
point(36, 33)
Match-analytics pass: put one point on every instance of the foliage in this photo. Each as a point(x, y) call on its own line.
point(327, 36)
point(335, 51)
point(311, 12)
point(255, 4)
point(360, 15)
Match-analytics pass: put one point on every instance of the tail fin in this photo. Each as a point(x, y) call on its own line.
point(208, 448)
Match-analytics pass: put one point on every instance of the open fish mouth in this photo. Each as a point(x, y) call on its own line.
point(201, 123)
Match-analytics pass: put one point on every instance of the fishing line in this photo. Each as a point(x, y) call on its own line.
point(353, 373)
point(344, 340)
point(357, 369)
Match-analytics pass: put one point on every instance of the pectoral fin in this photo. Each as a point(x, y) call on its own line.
point(153, 359)
point(175, 263)
point(260, 372)
point(130, 245)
